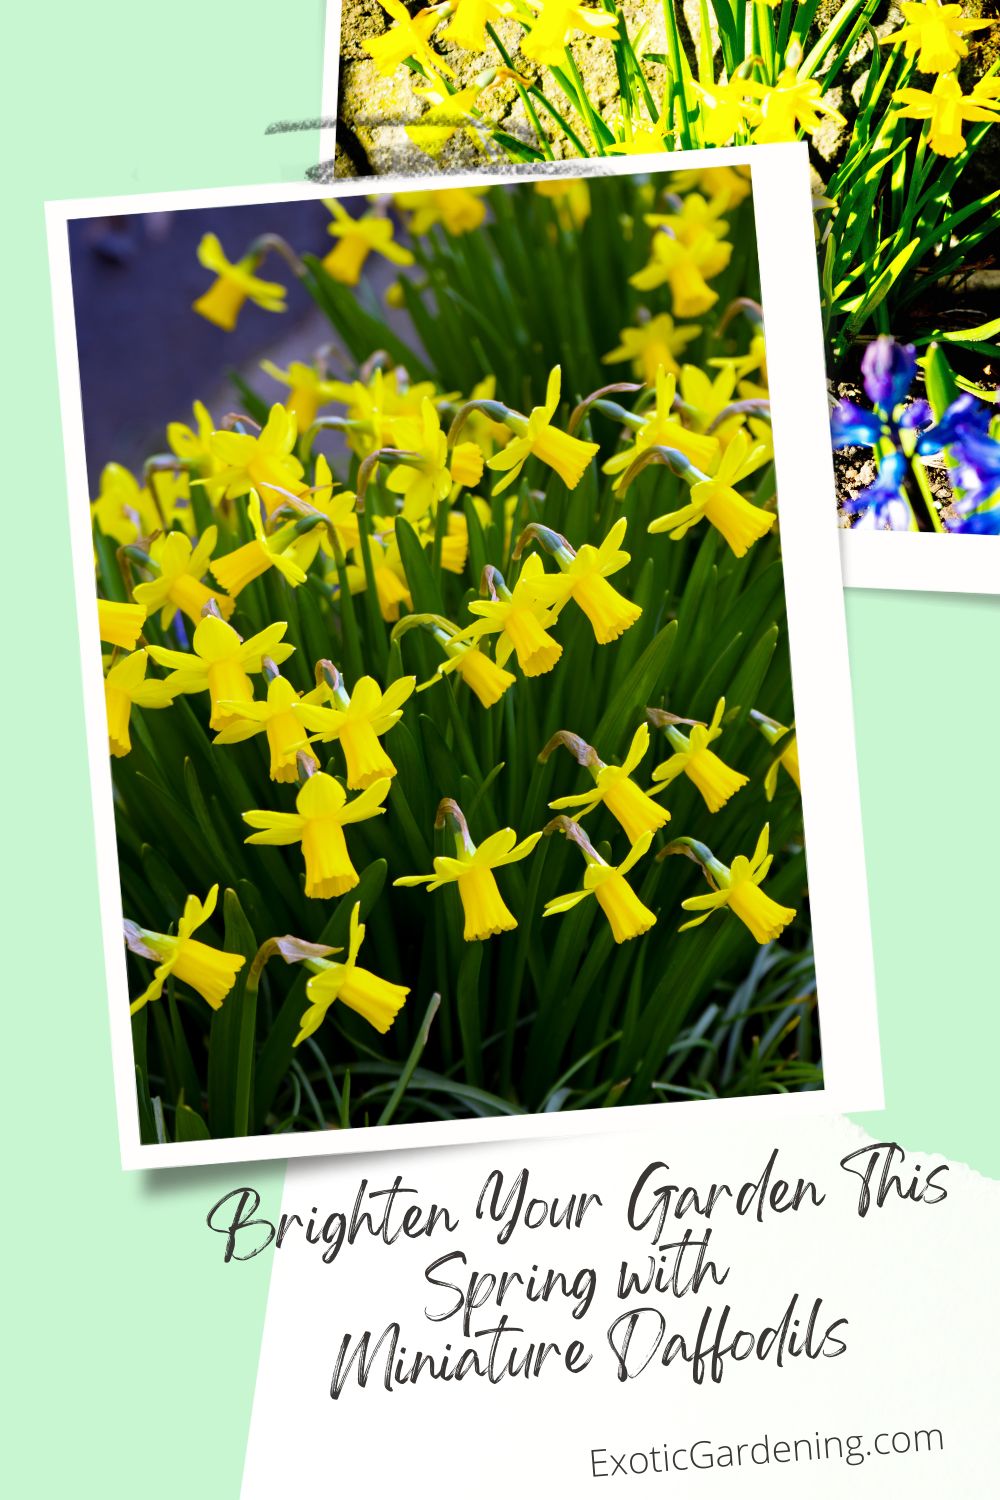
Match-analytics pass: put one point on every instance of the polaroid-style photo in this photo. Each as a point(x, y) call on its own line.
point(464, 659)
point(900, 116)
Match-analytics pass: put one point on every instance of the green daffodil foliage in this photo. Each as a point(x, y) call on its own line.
point(437, 636)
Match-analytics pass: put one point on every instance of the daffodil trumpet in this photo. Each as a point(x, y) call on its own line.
point(628, 917)
point(737, 886)
point(583, 577)
point(613, 786)
point(480, 673)
point(377, 1000)
point(207, 970)
point(471, 869)
point(716, 781)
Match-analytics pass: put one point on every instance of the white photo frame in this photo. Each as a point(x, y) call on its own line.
point(817, 643)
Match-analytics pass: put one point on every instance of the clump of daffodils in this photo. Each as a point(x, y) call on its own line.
point(356, 616)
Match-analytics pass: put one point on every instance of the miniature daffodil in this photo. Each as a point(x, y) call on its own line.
point(235, 283)
point(124, 685)
point(692, 758)
point(738, 887)
point(120, 624)
point(557, 23)
point(663, 427)
point(933, 34)
point(177, 586)
point(686, 269)
point(358, 720)
point(236, 569)
point(535, 435)
point(209, 971)
point(472, 870)
point(263, 462)
point(627, 915)
point(947, 109)
point(391, 586)
point(613, 786)
point(220, 664)
point(308, 390)
point(279, 717)
point(583, 577)
point(357, 238)
point(376, 1000)
point(652, 344)
point(788, 755)
point(458, 210)
point(408, 37)
point(322, 811)
point(518, 620)
point(714, 499)
point(789, 105)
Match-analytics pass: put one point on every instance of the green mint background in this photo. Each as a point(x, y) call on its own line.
point(136, 1349)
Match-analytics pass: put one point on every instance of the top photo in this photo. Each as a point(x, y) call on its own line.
point(897, 103)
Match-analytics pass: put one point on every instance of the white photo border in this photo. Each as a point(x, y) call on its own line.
point(922, 561)
point(817, 645)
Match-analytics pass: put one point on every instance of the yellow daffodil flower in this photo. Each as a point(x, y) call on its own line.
point(558, 22)
point(321, 813)
point(626, 914)
point(686, 269)
point(209, 971)
point(583, 577)
point(478, 671)
point(458, 210)
point(750, 363)
point(520, 622)
point(787, 757)
point(424, 478)
point(716, 781)
point(738, 888)
point(126, 511)
point(308, 390)
point(339, 507)
point(652, 345)
point(790, 105)
point(371, 234)
point(933, 34)
point(714, 499)
point(178, 585)
point(571, 196)
point(696, 218)
point(120, 624)
point(375, 407)
point(265, 462)
point(613, 786)
point(454, 543)
point(240, 567)
point(193, 445)
point(220, 664)
point(123, 687)
point(280, 717)
point(467, 27)
point(663, 428)
point(387, 565)
point(645, 140)
point(408, 37)
point(121, 509)
point(472, 870)
point(724, 110)
point(535, 435)
point(358, 720)
point(445, 115)
point(947, 109)
point(374, 999)
point(234, 285)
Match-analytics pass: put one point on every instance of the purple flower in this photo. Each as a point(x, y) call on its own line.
point(883, 505)
point(888, 369)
